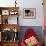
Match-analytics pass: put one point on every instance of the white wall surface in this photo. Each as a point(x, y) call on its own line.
point(27, 4)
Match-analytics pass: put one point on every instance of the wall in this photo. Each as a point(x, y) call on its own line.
point(39, 12)
point(27, 4)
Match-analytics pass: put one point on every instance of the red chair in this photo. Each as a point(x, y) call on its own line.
point(29, 33)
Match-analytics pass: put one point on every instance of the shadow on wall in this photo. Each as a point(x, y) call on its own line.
point(37, 29)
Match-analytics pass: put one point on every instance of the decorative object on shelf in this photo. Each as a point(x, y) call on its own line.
point(7, 34)
point(15, 30)
point(13, 12)
point(29, 13)
point(15, 34)
point(5, 12)
point(6, 21)
point(15, 37)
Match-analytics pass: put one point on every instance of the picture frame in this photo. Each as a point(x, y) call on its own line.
point(13, 12)
point(5, 12)
point(29, 13)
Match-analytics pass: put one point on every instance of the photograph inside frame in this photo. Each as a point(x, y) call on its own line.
point(29, 13)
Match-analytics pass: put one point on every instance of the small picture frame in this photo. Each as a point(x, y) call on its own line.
point(5, 12)
point(29, 13)
point(13, 12)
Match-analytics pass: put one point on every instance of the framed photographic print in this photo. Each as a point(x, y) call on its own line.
point(5, 12)
point(7, 34)
point(29, 13)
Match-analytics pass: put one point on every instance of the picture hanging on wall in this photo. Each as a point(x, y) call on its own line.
point(29, 13)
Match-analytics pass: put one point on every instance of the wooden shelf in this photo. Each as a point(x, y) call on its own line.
point(5, 8)
point(4, 13)
point(9, 43)
point(11, 26)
